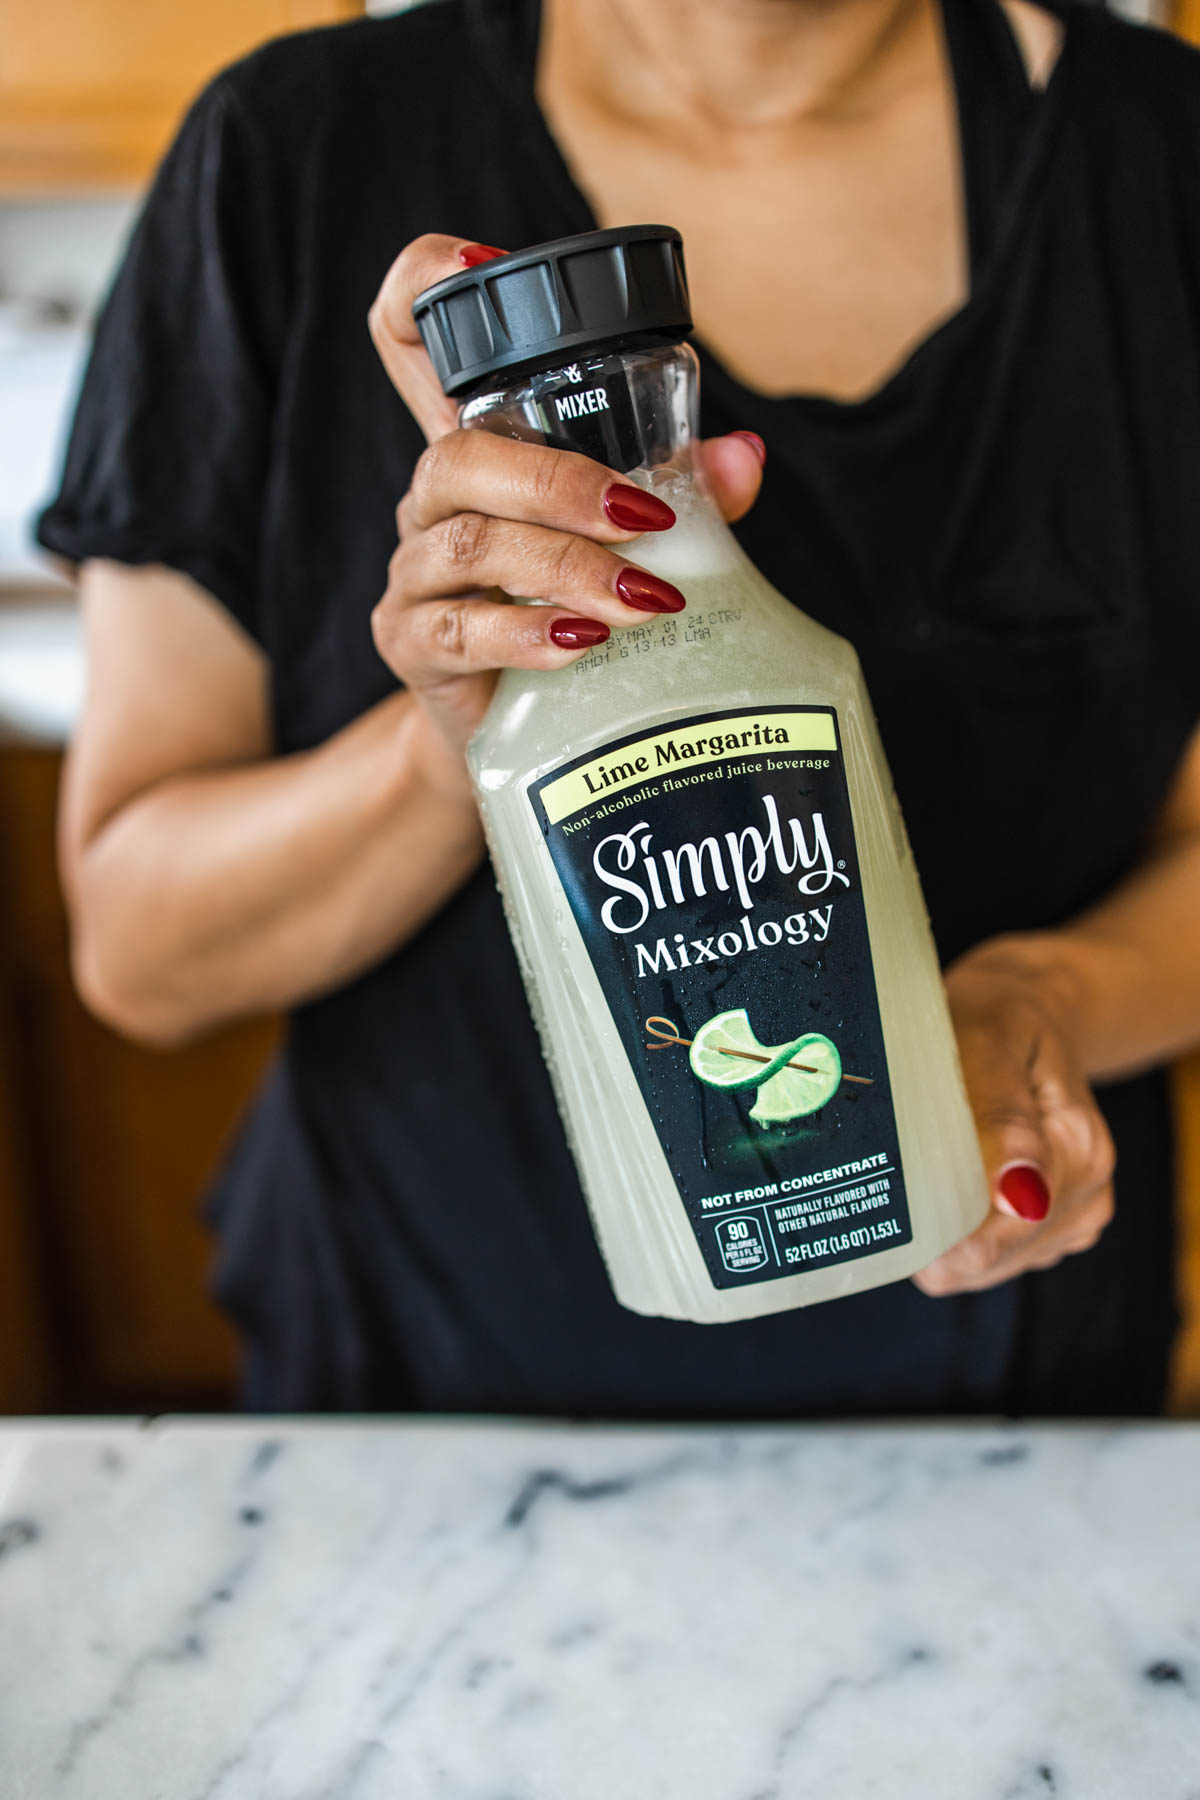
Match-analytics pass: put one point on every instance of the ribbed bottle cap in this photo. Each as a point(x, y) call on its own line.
point(536, 308)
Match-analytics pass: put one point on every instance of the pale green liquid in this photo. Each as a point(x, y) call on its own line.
point(738, 643)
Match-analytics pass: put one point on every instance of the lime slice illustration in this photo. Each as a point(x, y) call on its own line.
point(727, 1031)
point(783, 1093)
point(791, 1093)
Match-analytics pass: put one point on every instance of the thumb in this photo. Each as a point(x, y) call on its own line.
point(1016, 1153)
point(421, 264)
point(733, 467)
point(999, 1050)
point(1021, 1188)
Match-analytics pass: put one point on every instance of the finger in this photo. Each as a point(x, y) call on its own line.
point(474, 551)
point(733, 467)
point(445, 640)
point(1017, 1158)
point(1022, 1190)
point(1087, 1227)
point(1045, 1145)
point(1018, 1154)
point(1007, 1244)
point(393, 329)
point(1001, 1249)
point(474, 472)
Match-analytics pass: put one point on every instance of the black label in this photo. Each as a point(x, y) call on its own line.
point(590, 406)
point(710, 864)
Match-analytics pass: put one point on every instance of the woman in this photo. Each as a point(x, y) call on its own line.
point(946, 263)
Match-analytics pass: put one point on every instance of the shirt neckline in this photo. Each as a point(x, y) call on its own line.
point(517, 80)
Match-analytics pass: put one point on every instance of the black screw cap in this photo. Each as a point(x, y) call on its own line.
point(538, 308)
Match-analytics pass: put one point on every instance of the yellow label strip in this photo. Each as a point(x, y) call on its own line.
point(675, 752)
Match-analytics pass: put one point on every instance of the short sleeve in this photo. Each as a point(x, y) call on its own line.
point(167, 459)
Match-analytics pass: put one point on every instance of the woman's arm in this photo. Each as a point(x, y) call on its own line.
point(206, 878)
point(1039, 1016)
point(1127, 972)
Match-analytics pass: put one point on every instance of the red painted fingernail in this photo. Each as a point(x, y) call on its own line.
point(578, 634)
point(648, 593)
point(471, 255)
point(633, 509)
point(1025, 1189)
point(755, 443)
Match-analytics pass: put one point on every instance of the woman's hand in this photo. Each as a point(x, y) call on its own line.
point(487, 516)
point(1047, 1151)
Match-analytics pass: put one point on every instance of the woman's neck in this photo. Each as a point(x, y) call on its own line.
point(755, 66)
point(808, 151)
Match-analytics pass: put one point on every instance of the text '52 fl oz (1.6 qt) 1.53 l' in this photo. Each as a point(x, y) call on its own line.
point(702, 860)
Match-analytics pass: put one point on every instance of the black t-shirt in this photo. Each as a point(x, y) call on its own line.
point(1007, 530)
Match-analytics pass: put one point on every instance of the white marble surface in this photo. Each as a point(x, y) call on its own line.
point(434, 1611)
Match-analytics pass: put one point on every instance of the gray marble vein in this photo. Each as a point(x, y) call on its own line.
point(460, 1611)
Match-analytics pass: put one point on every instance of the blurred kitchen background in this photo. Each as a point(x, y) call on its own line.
point(105, 1148)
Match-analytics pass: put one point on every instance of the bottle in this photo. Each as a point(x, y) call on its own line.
point(701, 857)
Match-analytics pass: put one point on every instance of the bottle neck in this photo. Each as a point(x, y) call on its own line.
point(631, 409)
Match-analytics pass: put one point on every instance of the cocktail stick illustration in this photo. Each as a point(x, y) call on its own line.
point(671, 1036)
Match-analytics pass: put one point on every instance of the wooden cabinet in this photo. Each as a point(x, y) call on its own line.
point(91, 90)
point(1185, 1387)
point(27, 1374)
point(1185, 19)
point(105, 1153)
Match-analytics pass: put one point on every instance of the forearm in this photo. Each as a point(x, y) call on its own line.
point(222, 893)
point(1124, 978)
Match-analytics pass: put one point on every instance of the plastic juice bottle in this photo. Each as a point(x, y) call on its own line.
point(702, 859)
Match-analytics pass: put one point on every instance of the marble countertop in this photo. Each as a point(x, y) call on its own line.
point(459, 1611)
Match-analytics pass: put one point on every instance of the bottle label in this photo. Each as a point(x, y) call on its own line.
point(710, 865)
point(591, 406)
